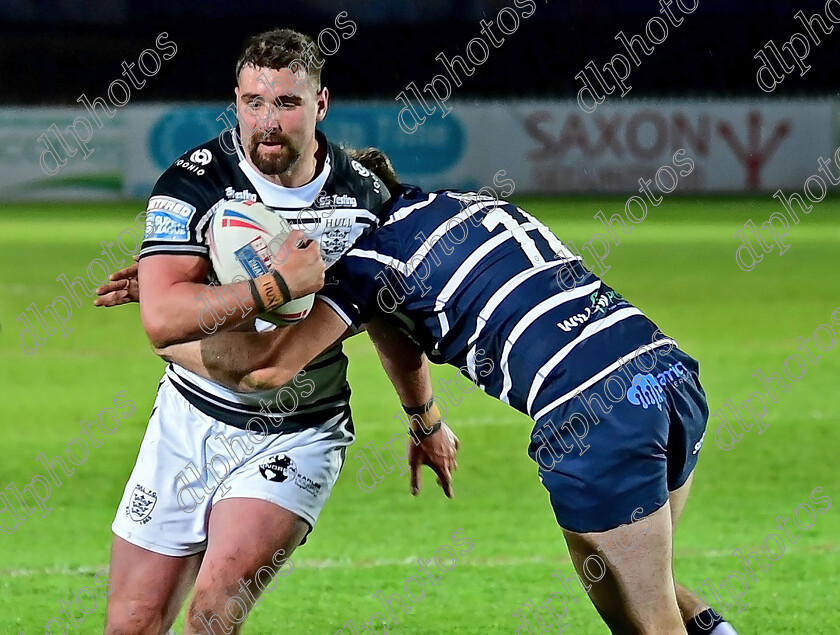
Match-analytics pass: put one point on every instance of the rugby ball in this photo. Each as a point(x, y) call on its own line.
point(246, 240)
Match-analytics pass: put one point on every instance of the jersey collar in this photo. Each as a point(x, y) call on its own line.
point(278, 196)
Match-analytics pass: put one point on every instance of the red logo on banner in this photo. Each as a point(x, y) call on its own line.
point(754, 156)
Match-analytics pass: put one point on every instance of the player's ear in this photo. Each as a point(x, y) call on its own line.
point(322, 104)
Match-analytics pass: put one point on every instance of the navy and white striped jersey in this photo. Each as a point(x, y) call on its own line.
point(483, 285)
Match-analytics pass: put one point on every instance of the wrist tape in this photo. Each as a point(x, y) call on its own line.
point(269, 291)
point(422, 432)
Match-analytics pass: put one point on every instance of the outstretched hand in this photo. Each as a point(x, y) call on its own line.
point(438, 451)
point(121, 289)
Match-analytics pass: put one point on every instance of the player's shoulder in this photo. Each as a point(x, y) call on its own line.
point(464, 199)
point(412, 205)
point(185, 195)
point(397, 227)
point(204, 171)
point(348, 177)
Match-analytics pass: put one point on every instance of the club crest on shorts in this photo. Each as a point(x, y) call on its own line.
point(278, 469)
point(140, 504)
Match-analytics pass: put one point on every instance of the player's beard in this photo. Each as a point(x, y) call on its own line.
point(277, 162)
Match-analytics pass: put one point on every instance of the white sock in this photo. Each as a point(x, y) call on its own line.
point(723, 629)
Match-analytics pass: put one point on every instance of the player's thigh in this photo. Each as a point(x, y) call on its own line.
point(602, 469)
point(146, 586)
point(249, 540)
point(678, 499)
point(633, 590)
point(269, 504)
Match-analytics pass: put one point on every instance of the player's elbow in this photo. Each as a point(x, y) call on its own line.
point(159, 330)
point(158, 337)
point(266, 379)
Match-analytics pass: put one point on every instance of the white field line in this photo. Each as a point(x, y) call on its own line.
point(346, 563)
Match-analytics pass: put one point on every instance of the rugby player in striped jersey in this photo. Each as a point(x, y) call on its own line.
point(227, 484)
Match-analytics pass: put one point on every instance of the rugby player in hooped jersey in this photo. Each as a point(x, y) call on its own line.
point(619, 411)
point(227, 484)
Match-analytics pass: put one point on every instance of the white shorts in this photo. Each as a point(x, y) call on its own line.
point(188, 461)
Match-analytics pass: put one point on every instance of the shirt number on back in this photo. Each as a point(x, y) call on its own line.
point(501, 217)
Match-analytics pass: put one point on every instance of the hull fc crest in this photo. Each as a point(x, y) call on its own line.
point(141, 504)
point(334, 242)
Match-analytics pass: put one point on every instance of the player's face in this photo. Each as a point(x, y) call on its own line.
point(278, 111)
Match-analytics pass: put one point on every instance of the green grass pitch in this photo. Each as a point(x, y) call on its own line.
point(678, 266)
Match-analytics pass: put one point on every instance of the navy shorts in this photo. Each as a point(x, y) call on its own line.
point(613, 453)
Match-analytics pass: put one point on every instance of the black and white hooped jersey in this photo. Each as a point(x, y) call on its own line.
point(483, 285)
point(343, 203)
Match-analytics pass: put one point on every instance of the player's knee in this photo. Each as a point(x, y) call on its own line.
point(217, 609)
point(134, 616)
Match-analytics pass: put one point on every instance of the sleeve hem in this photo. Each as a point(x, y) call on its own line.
point(339, 311)
point(186, 250)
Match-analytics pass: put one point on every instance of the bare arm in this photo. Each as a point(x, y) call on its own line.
point(403, 361)
point(178, 307)
point(408, 369)
point(225, 358)
point(248, 361)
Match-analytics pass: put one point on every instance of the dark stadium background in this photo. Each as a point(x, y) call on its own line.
point(56, 49)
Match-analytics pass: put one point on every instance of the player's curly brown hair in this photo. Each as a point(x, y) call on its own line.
point(377, 162)
point(282, 48)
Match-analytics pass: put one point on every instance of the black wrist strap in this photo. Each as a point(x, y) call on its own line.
point(281, 284)
point(425, 434)
point(419, 410)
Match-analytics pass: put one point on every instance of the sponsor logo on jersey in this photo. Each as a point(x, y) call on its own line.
point(202, 156)
point(240, 195)
point(363, 171)
point(600, 302)
point(169, 204)
point(140, 504)
point(336, 200)
point(190, 167)
point(168, 219)
point(647, 389)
